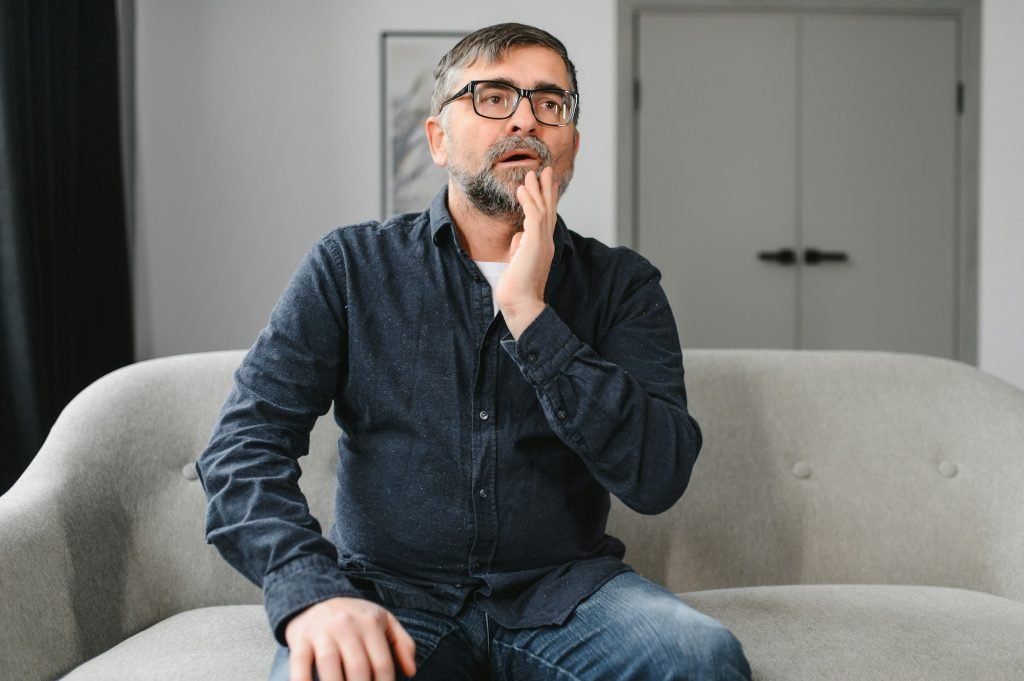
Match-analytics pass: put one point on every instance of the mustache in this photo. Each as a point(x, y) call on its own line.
point(513, 143)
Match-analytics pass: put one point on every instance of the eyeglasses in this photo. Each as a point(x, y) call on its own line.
point(497, 100)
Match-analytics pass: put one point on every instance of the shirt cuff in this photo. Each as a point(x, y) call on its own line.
point(544, 348)
point(300, 583)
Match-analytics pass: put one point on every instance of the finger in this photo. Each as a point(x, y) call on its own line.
point(354, 660)
point(531, 188)
point(548, 198)
point(402, 643)
point(300, 663)
point(533, 184)
point(547, 176)
point(549, 187)
point(378, 654)
point(531, 211)
point(328, 660)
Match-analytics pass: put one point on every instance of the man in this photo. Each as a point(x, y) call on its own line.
point(496, 376)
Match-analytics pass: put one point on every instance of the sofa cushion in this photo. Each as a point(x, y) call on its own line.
point(863, 633)
point(790, 633)
point(223, 642)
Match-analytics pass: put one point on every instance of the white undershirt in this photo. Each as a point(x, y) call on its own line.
point(492, 272)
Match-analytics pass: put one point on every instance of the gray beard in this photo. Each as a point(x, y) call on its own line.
point(496, 196)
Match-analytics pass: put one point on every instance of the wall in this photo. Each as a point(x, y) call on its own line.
point(258, 130)
point(1001, 238)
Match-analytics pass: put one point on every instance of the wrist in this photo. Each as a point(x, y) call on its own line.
point(519, 317)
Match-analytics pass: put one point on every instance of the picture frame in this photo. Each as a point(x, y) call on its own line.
point(410, 180)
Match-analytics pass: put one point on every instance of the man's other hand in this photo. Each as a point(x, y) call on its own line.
point(350, 639)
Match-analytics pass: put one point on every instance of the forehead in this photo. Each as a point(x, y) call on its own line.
point(527, 67)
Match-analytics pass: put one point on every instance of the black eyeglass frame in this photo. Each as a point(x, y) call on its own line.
point(470, 89)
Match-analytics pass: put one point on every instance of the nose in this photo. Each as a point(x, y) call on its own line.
point(522, 120)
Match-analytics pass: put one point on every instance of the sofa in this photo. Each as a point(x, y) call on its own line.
point(852, 516)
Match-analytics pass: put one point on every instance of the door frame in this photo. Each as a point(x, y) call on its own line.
point(967, 13)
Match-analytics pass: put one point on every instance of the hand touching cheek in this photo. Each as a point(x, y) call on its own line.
point(520, 291)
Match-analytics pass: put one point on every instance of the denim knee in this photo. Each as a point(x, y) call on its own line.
point(695, 649)
point(718, 656)
point(709, 653)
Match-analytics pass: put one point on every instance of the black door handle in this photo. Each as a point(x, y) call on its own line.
point(783, 256)
point(812, 256)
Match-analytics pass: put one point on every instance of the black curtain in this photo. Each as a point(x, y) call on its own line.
point(65, 308)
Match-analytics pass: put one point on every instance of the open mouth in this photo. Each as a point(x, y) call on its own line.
point(519, 156)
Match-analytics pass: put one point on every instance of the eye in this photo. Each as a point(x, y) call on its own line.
point(493, 94)
point(549, 101)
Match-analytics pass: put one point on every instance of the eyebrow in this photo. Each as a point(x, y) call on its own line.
point(539, 85)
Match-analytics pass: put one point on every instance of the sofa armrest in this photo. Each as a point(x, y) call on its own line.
point(45, 609)
point(102, 536)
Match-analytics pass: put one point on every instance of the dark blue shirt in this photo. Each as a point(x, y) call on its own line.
point(472, 464)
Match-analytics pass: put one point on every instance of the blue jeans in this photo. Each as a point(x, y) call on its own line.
point(630, 629)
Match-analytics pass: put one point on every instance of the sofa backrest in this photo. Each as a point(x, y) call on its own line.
point(843, 467)
point(817, 467)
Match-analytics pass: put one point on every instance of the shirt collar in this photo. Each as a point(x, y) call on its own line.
point(441, 226)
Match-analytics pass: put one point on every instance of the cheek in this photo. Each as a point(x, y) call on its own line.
point(564, 155)
point(456, 158)
point(471, 154)
point(453, 153)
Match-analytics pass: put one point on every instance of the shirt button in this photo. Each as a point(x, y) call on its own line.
point(484, 416)
point(561, 414)
point(531, 358)
point(483, 494)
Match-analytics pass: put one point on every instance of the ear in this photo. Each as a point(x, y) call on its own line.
point(435, 140)
point(575, 142)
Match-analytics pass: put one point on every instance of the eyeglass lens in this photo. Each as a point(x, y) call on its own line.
point(497, 100)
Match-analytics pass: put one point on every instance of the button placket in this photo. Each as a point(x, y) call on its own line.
point(485, 398)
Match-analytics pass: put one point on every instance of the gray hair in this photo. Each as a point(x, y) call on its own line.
point(492, 44)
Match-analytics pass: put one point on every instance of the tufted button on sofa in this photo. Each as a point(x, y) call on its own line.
point(853, 516)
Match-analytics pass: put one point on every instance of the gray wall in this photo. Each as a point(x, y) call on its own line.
point(258, 130)
point(1001, 238)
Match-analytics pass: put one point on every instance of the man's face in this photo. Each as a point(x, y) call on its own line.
point(488, 159)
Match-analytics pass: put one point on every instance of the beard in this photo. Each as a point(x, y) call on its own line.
point(494, 193)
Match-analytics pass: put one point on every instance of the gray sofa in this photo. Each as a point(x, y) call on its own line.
point(853, 516)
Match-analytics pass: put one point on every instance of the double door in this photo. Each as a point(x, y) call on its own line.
point(797, 177)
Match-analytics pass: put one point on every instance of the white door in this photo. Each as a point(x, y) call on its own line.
point(763, 136)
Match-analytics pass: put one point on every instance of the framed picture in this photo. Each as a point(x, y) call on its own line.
point(410, 178)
